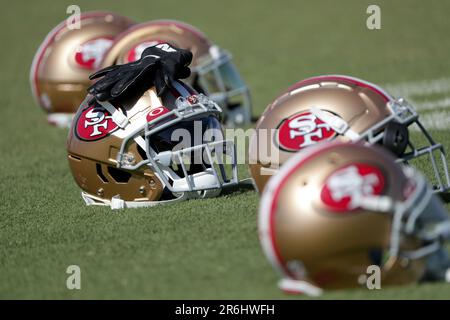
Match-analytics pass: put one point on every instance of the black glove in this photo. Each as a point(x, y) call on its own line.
point(158, 66)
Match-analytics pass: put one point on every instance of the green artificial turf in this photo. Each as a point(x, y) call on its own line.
point(203, 249)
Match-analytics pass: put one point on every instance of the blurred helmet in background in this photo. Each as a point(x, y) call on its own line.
point(337, 208)
point(340, 107)
point(151, 151)
point(213, 72)
point(61, 67)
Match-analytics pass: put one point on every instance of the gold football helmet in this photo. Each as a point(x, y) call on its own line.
point(130, 155)
point(213, 72)
point(60, 70)
point(337, 208)
point(340, 107)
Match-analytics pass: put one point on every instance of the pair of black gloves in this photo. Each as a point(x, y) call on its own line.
point(158, 66)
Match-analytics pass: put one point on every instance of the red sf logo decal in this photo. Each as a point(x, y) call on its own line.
point(156, 113)
point(345, 188)
point(192, 99)
point(94, 123)
point(302, 130)
point(135, 52)
point(90, 53)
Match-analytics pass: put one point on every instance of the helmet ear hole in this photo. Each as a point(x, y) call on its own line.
point(396, 137)
point(120, 176)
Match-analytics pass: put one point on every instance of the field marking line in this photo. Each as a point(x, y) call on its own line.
point(411, 91)
point(420, 88)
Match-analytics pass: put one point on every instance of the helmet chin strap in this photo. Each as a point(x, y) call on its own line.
point(202, 179)
point(336, 123)
point(117, 116)
point(117, 203)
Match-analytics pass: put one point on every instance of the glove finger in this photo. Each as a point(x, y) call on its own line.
point(147, 69)
point(183, 73)
point(99, 87)
point(176, 70)
point(103, 72)
point(114, 70)
point(186, 57)
point(103, 96)
point(121, 85)
point(111, 79)
point(146, 76)
point(161, 82)
point(106, 82)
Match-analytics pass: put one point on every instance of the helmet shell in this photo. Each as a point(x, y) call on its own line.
point(279, 129)
point(61, 67)
point(307, 234)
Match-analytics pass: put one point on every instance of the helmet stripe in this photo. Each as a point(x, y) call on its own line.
point(358, 82)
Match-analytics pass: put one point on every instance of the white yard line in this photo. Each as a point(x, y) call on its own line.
point(411, 91)
point(419, 88)
point(430, 105)
point(439, 120)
